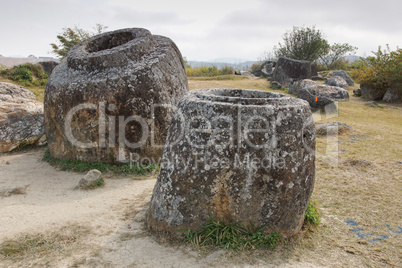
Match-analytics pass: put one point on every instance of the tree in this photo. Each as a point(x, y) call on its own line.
point(334, 53)
point(72, 36)
point(302, 43)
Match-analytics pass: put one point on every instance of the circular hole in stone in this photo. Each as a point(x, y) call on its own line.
point(242, 96)
point(110, 41)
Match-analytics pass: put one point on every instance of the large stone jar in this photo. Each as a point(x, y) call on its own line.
point(112, 98)
point(236, 154)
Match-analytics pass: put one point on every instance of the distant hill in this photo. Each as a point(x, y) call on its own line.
point(10, 62)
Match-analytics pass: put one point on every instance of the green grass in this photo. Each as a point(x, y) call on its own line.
point(311, 216)
point(81, 166)
point(232, 235)
point(26, 74)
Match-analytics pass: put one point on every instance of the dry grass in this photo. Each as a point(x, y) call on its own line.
point(358, 179)
point(358, 193)
point(44, 249)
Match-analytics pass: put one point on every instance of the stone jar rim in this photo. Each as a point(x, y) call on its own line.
point(111, 49)
point(246, 97)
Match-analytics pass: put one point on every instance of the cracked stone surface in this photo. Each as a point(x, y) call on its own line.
point(236, 153)
point(113, 97)
point(21, 117)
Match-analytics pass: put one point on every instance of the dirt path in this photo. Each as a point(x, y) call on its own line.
point(112, 218)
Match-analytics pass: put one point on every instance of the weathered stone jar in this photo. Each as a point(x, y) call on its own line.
point(236, 153)
point(112, 98)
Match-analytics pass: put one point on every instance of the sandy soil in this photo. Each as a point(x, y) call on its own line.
point(359, 198)
point(113, 216)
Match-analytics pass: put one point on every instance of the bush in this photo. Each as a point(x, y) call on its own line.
point(28, 74)
point(257, 66)
point(381, 72)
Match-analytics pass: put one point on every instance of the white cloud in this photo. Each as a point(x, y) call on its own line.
point(206, 29)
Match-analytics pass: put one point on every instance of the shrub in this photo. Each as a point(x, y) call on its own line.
point(28, 74)
point(257, 66)
point(382, 71)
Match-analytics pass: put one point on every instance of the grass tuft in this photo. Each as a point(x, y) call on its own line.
point(232, 235)
point(81, 166)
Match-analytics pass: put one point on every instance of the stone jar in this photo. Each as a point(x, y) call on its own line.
point(112, 98)
point(237, 154)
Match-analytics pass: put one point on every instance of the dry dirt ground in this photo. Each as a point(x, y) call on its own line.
point(358, 192)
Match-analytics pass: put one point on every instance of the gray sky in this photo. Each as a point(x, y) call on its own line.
point(206, 29)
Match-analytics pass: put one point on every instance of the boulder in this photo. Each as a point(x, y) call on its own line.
point(333, 128)
point(392, 95)
point(90, 178)
point(357, 92)
point(111, 99)
point(370, 93)
point(288, 70)
point(298, 85)
point(317, 89)
point(344, 75)
point(318, 95)
point(321, 103)
point(257, 73)
point(21, 117)
point(276, 85)
point(268, 68)
point(314, 70)
point(262, 174)
point(48, 66)
point(337, 81)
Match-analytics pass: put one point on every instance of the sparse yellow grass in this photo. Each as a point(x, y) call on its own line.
point(370, 195)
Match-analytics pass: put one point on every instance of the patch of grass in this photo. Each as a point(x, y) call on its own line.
point(37, 245)
point(27, 74)
point(81, 166)
point(374, 104)
point(92, 184)
point(311, 217)
point(232, 235)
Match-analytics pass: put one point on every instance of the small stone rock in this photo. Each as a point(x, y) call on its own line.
point(7, 163)
point(392, 95)
point(16, 191)
point(357, 92)
point(21, 117)
point(344, 75)
point(333, 128)
point(359, 162)
point(276, 85)
point(337, 81)
point(90, 177)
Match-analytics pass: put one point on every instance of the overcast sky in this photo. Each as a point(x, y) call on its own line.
point(206, 29)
